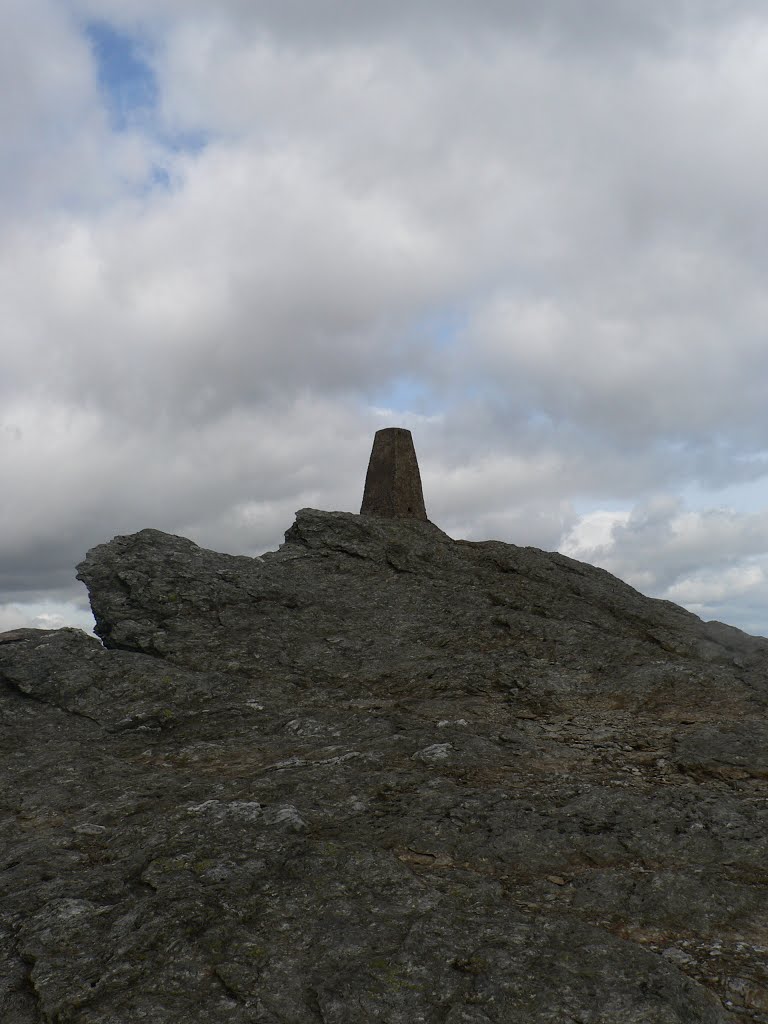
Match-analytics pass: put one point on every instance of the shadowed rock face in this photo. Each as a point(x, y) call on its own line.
point(380, 775)
point(393, 481)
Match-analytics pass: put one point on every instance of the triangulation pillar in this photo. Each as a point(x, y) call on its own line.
point(393, 482)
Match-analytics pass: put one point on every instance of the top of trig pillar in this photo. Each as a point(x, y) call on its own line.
point(393, 483)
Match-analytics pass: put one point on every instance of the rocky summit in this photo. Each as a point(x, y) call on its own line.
point(380, 775)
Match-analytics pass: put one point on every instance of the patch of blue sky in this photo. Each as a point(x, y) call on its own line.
point(126, 78)
point(745, 497)
point(538, 419)
point(430, 334)
point(159, 178)
point(407, 395)
point(747, 615)
point(131, 93)
point(183, 142)
point(442, 328)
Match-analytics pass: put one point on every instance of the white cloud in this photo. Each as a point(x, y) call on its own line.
point(592, 535)
point(45, 615)
point(709, 588)
point(707, 560)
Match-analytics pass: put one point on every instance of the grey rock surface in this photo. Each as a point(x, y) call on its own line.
point(380, 775)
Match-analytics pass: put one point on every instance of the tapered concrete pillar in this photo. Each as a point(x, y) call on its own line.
point(393, 482)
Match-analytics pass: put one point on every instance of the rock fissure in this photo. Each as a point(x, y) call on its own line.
point(14, 687)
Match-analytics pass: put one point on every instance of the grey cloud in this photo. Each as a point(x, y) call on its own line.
point(224, 295)
point(670, 541)
point(713, 561)
point(608, 198)
point(233, 484)
point(588, 25)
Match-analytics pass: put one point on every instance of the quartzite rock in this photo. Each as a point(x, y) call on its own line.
point(380, 775)
point(393, 482)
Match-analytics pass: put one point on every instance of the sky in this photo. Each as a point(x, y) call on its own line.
point(238, 238)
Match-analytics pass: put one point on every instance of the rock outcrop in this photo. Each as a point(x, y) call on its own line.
point(381, 775)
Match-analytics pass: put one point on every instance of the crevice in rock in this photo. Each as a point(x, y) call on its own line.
point(315, 1007)
point(231, 992)
point(17, 691)
point(27, 986)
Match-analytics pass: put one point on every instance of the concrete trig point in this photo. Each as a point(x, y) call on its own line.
point(393, 482)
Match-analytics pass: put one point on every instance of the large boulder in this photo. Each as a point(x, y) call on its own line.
point(380, 775)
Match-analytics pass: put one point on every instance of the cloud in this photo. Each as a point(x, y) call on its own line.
point(708, 560)
point(58, 149)
point(532, 232)
point(45, 615)
point(592, 26)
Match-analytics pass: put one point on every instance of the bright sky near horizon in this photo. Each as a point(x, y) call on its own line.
point(237, 238)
